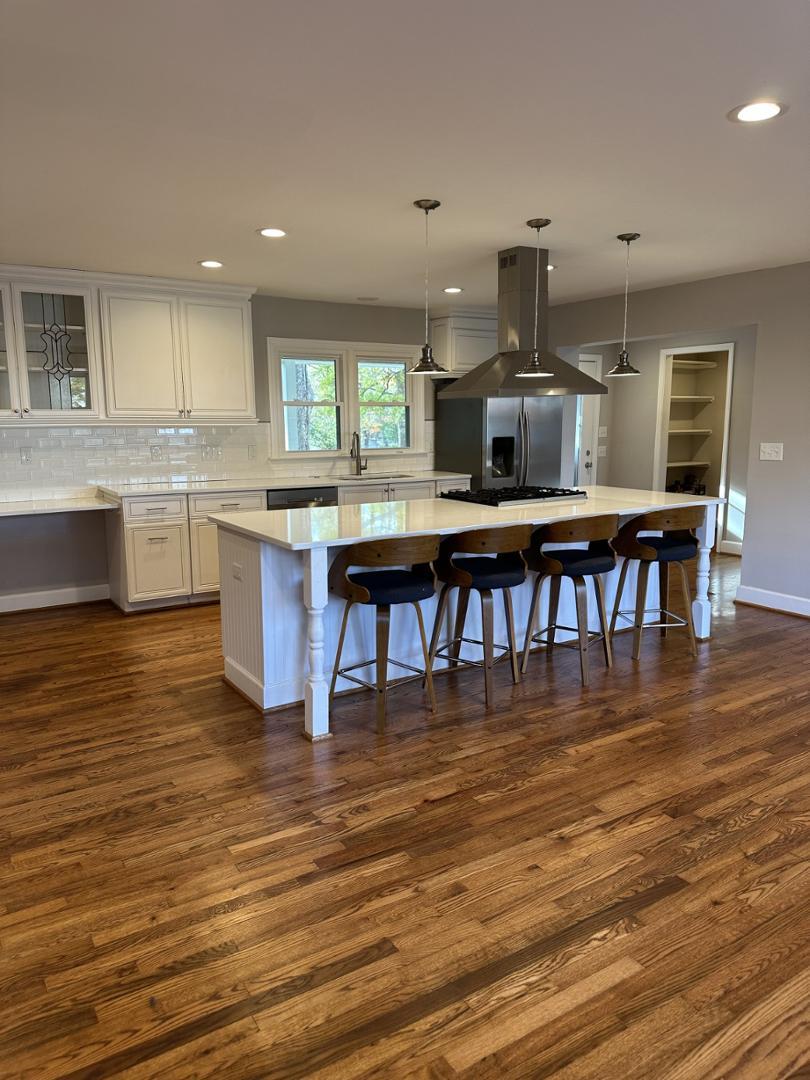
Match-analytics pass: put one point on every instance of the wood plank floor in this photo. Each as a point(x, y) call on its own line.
point(610, 883)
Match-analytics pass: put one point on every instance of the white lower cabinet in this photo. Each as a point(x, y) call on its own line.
point(452, 485)
point(204, 557)
point(157, 561)
point(363, 493)
point(426, 489)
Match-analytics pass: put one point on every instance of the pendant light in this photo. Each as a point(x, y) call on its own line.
point(426, 365)
point(624, 367)
point(534, 369)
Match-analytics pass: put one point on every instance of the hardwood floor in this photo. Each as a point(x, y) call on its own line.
point(607, 883)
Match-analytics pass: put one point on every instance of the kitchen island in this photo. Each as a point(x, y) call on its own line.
point(280, 625)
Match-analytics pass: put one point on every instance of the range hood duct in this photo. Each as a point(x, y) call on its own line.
point(497, 377)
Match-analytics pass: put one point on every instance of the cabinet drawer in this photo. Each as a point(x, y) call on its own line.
point(225, 503)
point(156, 508)
point(452, 485)
point(157, 561)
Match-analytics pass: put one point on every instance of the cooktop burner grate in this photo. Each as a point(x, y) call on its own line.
point(511, 495)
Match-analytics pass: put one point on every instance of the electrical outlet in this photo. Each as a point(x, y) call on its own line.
point(251, 452)
point(602, 432)
point(156, 453)
point(771, 451)
point(211, 452)
point(26, 455)
point(236, 570)
point(602, 451)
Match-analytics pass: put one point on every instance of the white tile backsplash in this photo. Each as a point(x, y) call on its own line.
point(74, 460)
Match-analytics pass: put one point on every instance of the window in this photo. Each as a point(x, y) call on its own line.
point(323, 391)
point(383, 405)
point(310, 404)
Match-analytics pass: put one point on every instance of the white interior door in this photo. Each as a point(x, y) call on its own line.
point(587, 459)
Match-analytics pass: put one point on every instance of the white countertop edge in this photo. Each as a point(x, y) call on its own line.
point(602, 500)
point(27, 507)
point(271, 483)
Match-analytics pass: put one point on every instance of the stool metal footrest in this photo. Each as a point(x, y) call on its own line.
point(537, 638)
point(672, 620)
point(441, 654)
point(343, 672)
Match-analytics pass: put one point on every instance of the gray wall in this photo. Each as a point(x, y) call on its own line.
point(276, 316)
point(53, 551)
point(777, 303)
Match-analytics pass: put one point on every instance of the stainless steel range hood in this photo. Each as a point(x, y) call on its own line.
point(497, 377)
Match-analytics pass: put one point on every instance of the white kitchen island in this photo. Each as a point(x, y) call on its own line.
point(280, 625)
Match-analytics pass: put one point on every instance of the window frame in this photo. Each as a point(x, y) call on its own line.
point(347, 355)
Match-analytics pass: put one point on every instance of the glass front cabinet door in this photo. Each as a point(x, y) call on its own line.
point(56, 346)
point(9, 384)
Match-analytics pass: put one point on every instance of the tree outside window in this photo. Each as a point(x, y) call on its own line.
point(383, 405)
point(311, 409)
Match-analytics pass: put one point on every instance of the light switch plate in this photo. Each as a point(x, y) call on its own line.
point(602, 451)
point(25, 455)
point(156, 453)
point(771, 451)
point(602, 432)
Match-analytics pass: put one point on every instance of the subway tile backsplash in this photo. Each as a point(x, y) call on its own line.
point(36, 462)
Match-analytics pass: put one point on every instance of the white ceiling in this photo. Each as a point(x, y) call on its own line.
point(143, 135)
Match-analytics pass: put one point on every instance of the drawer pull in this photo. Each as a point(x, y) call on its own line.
point(155, 509)
point(156, 539)
point(230, 506)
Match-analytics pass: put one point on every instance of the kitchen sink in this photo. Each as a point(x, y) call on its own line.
point(376, 476)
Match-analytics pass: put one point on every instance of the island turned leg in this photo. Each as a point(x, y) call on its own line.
point(316, 693)
point(701, 605)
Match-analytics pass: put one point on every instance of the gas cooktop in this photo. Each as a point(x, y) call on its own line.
point(511, 496)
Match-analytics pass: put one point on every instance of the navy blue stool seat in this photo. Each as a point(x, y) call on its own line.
point(676, 545)
point(577, 565)
point(482, 561)
point(384, 588)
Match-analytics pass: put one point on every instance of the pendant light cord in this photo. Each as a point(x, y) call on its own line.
point(626, 291)
point(427, 277)
point(536, 288)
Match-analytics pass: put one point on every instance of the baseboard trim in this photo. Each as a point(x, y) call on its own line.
point(730, 547)
point(773, 601)
point(45, 598)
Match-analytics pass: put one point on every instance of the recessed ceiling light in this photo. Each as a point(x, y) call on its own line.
point(272, 233)
point(454, 289)
point(756, 111)
point(551, 266)
point(211, 264)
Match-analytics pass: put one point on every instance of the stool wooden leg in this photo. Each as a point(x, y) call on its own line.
point(619, 590)
point(346, 611)
point(687, 599)
point(527, 644)
point(641, 601)
point(553, 606)
point(581, 593)
point(383, 628)
point(438, 622)
point(510, 631)
point(461, 618)
point(603, 625)
point(488, 637)
point(663, 591)
point(427, 658)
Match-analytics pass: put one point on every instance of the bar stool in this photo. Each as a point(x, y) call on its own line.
point(677, 545)
point(384, 588)
point(493, 561)
point(577, 564)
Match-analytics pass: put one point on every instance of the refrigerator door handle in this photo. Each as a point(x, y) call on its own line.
point(521, 450)
point(528, 451)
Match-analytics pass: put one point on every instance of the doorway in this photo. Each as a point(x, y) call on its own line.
point(586, 454)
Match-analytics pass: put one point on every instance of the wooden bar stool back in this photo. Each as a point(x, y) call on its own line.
point(492, 560)
point(677, 545)
point(385, 586)
point(577, 564)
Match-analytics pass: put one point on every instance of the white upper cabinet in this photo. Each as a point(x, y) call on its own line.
point(142, 355)
point(463, 341)
point(49, 367)
point(77, 346)
point(217, 359)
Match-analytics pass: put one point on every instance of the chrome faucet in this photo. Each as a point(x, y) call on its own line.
point(360, 466)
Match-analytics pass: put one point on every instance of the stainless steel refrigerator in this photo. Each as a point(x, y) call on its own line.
point(501, 441)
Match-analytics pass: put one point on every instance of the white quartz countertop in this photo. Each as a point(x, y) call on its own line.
point(334, 526)
point(55, 505)
point(185, 485)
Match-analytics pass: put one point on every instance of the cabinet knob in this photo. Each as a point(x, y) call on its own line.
point(26, 410)
point(17, 412)
point(188, 412)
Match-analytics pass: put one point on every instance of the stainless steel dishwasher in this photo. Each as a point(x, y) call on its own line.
point(298, 498)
